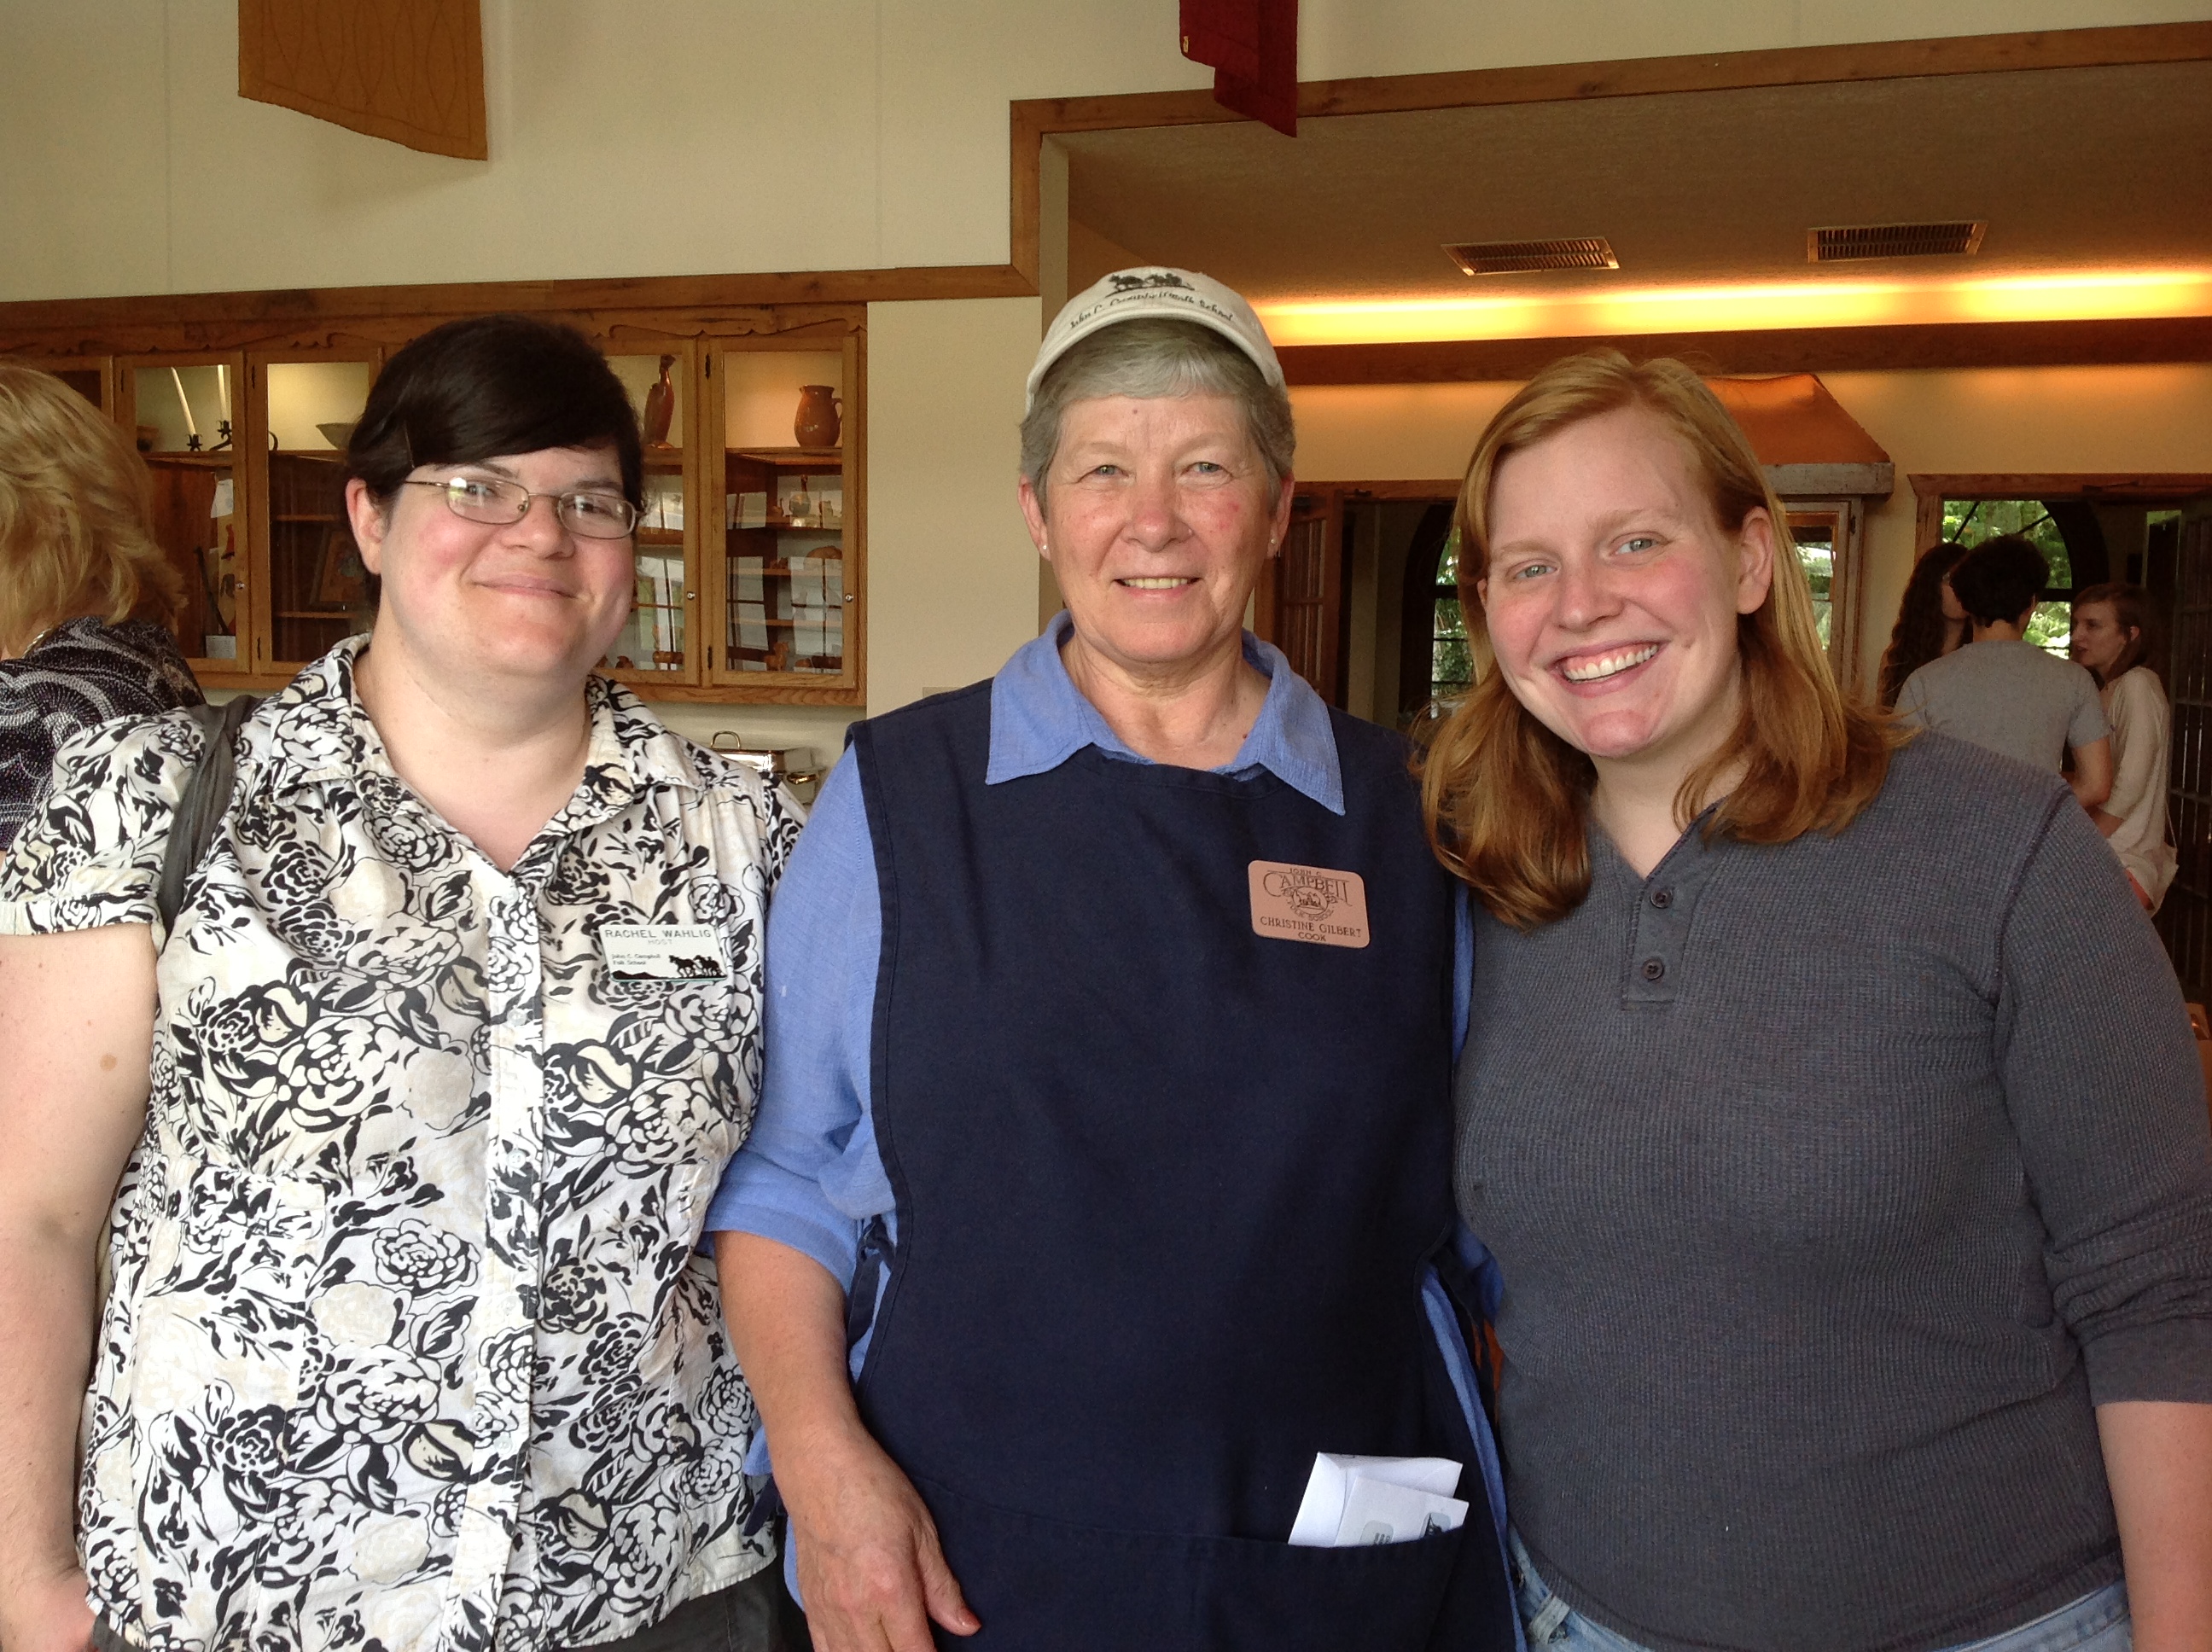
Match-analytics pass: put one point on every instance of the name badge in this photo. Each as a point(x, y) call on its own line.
point(1309, 903)
point(662, 951)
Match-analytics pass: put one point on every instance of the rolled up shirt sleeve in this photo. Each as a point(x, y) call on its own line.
point(2102, 1081)
point(2086, 726)
point(808, 1174)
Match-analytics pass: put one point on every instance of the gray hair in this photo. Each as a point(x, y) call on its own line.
point(1148, 358)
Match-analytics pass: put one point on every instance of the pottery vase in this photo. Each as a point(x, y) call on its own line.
point(820, 419)
point(659, 406)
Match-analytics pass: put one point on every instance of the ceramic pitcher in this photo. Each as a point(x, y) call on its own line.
point(820, 416)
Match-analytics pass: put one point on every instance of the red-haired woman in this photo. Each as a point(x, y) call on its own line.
point(2112, 631)
point(1839, 1311)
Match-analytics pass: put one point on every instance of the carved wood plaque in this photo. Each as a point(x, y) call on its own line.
point(409, 71)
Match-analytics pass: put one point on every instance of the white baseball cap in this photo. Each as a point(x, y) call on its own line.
point(1154, 291)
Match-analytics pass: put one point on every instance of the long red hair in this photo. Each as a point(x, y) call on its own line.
point(1507, 802)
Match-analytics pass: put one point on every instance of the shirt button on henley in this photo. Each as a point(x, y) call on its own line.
point(1654, 968)
point(1663, 898)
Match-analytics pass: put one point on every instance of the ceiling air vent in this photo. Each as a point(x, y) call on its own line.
point(1895, 240)
point(1507, 257)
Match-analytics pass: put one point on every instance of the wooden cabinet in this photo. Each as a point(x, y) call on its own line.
point(751, 551)
point(787, 585)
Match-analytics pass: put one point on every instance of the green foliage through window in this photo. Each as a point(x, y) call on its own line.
point(1451, 657)
point(1970, 521)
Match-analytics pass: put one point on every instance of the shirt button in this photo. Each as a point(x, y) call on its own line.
point(1663, 898)
point(1654, 968)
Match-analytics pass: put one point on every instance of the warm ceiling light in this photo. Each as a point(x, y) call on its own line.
point(1516, 258)
point(2086, 297)
point(1960, 238)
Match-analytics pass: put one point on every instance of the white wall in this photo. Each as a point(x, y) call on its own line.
point(951, 572)
point(702, 134)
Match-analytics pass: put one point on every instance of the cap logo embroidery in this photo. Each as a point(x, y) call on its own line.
point(1308, 903)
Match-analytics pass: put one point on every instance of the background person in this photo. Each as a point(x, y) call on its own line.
point(2111, 638)
point(82, 585)
point(409, 1344)
point(1141, 1199)
point(1856, 1261)
point(1929, 621)
point(2002, 692)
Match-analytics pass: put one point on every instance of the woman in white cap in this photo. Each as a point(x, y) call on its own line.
point(1105, 1127)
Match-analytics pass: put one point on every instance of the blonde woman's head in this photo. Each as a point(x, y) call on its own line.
point(75, 516)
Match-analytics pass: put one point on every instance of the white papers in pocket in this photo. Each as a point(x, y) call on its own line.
point(1352, 1501)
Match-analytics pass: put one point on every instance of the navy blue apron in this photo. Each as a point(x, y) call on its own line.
point(1167, 1190)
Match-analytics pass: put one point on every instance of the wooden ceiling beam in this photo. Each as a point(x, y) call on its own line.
point(1947, 344)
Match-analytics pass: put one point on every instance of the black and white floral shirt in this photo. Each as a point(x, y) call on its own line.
point(410, 1346)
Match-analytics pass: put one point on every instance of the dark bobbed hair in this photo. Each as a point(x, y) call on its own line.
point(2131, 607)
point(490, 384)
point(1918, 637)
point(2000, 579)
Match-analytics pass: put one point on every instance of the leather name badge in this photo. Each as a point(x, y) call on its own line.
point(662, 951)
point(1309, 903)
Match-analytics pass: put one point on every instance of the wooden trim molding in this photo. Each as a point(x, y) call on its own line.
point(1818, 482)
point(1712, 72)
point(68, 325)
point(2129, 486)
point(1783, 349)
point(1931, 489)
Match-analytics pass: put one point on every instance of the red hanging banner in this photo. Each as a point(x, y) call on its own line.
point(1252, 47)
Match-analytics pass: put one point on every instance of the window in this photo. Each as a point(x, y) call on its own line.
point(1451, 656)
point(1816, 549)
point(1970, 521)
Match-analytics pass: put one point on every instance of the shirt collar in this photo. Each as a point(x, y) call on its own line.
point(316, 730)
point(1039, 720)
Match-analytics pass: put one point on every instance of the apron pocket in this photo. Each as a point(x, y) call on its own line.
point(1048, 1585)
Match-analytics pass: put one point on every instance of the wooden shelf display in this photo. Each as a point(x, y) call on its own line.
point(655, 644)
point(791, 511)
point(319, 590)
point(181, 418)
point(749, 560)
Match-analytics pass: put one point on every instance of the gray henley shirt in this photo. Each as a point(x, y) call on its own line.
point(1833, 1184)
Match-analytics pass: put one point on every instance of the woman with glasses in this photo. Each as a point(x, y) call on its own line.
point(416, 1104)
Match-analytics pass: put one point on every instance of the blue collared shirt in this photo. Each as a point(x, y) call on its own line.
point(809, 1175)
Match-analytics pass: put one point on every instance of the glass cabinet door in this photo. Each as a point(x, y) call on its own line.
point(180, 413)
point(319, 590)
point(654, 647)
point(789, 590)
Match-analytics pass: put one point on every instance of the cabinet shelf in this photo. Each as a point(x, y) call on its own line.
point(659, 536)
point(793, 458)
point(222, 461)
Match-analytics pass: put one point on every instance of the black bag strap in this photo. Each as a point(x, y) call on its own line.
point(206, 799)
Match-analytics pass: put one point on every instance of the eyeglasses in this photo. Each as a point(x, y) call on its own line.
point(490, 499)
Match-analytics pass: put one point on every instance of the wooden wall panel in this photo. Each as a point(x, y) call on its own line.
point(409, 71)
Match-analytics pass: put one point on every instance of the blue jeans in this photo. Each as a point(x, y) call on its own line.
point(2098, 1622)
